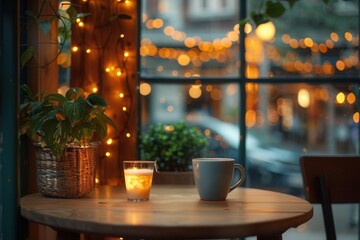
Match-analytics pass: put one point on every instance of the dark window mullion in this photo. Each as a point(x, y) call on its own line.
point(242, 82)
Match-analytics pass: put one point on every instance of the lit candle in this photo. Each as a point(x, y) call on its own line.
point(138, 183)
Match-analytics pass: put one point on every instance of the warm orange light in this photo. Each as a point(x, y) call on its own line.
point(75, 49)
point(145, 89)
point(128, 135)
point(109, 141)
point(340, 65)
point(121, 95)
point(233, 36)
point(124, 109)
point(304, 98)
point(169, 128)
point(334, 37)
point(107, 154)
point(190, 42)
point(225, 42)
point(294, 43)
point(61, 58)
point(329, 43)
point(63, 6)
point(323, 48)
point(286, 38)
point(351, 98)
point(158, 23)
point(348, 36)
point(250, 118)
point(247, 28)
point(308, 42)
point(183, 60)
point(88, 50)
point(195, 91)
point(356, 117)
point(266, 31)
point(340, 98)
point(169, 30)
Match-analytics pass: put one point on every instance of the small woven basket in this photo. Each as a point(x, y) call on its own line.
point(71, 176)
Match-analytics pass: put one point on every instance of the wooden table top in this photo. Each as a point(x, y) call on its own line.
point(172, 211)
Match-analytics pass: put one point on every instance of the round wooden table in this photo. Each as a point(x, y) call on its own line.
point(173, 211)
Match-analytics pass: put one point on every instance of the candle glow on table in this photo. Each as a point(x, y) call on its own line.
point(138, 183)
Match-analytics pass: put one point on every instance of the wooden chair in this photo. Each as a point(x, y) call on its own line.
point(330, 179)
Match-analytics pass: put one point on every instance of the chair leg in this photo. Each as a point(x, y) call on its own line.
point(358, 221)
point(327, 210)
point(274, 237)
point(64, 235)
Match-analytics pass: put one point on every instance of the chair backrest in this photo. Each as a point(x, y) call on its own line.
point(331, 179)
point(341, 174)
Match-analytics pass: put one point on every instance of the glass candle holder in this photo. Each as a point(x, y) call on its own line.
point(138, 179)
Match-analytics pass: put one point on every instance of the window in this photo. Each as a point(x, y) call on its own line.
point(288, 93)
point(202, 10)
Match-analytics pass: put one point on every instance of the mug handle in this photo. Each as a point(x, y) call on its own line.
point(242, 176)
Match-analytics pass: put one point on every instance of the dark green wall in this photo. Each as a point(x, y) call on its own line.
point(9, 64)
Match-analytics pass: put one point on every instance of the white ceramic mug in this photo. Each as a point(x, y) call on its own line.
point(213, 177)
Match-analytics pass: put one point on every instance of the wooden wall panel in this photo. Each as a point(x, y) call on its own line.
point(88, 70)
point(102, 42)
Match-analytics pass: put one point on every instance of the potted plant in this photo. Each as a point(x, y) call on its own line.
point(65, 130)
point(173, 146)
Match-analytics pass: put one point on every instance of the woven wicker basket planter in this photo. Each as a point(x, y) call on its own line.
point(71, 176)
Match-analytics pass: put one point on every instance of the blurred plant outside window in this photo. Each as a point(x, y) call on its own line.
point(293, 90)
point(64, 58)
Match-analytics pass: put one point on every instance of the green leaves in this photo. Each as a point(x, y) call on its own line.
point(74, 111)
point(55, 97)
point(291, 2)
point(259, 19)
point(274, 9)
point(59, 119)
point(73, 93)
point(45, 26)
point(173, 145)
point(27, 55)
point(43, 21)
point(271, 9)
point(95, 99)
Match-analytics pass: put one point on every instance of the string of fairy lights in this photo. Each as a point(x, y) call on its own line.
point(100, 42)
point(200, 51)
